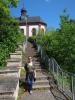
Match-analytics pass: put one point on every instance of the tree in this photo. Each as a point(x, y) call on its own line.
point(60, 43)
point(9, 30)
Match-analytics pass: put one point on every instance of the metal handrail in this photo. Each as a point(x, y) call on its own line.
point(65, 80)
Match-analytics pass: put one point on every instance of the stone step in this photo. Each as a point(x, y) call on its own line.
point(36, 60)
point(8, 85)
point(14, 60)
point(43, 77)
point(14, 63)
point(10, 72)
point(6, 93)
point(41, 86)
point(38, 78)
point(40, 73)
point(6, 97)
point(13, 66)
point(40, 70)
point(41, 82)
point(37, 67)
point(16, 53)
point(16, 56)
point(37, 63)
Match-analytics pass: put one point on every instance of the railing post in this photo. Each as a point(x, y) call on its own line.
point(57, 76)
point(62, 81)
point(38, 48)
point(72, 87)
point(24, 47)
point(41, 53)
point(49, 64)
point(53, 66)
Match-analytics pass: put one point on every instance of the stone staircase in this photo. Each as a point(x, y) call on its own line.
point(42, 78)
point(44, 81)
point(9, 86)
point(9, 77)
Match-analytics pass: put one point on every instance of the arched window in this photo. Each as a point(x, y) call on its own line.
point(33, 31)
point(22, 30)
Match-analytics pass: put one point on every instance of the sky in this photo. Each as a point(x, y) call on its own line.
point(48, 10)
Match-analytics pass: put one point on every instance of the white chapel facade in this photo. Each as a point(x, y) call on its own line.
point(30, 26)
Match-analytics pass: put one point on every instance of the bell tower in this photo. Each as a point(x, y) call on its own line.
point(23, 12)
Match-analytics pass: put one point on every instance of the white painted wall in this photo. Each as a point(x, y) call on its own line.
point(31, 27)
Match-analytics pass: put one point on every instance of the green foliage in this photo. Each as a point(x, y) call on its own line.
point(60, 43)
point(39, 37)
point(32, 39)
point(9, 31)
point(20, 37)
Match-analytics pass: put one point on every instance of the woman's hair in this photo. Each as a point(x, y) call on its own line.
point(29, 58)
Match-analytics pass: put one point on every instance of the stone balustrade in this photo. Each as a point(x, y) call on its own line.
point(9, 86)
point(9, 77)
point(17, 62)
point(10, 72)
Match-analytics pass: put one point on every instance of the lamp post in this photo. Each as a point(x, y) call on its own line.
point(26, 32)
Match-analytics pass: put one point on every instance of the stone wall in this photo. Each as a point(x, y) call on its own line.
point(9, 77)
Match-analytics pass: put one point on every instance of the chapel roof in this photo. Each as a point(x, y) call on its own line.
point(31, 20)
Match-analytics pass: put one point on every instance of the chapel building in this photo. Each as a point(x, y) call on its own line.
point(31, 25)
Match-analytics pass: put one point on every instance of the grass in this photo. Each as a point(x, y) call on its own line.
point(21, 84)
point(22, 74)
point(21, 92)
